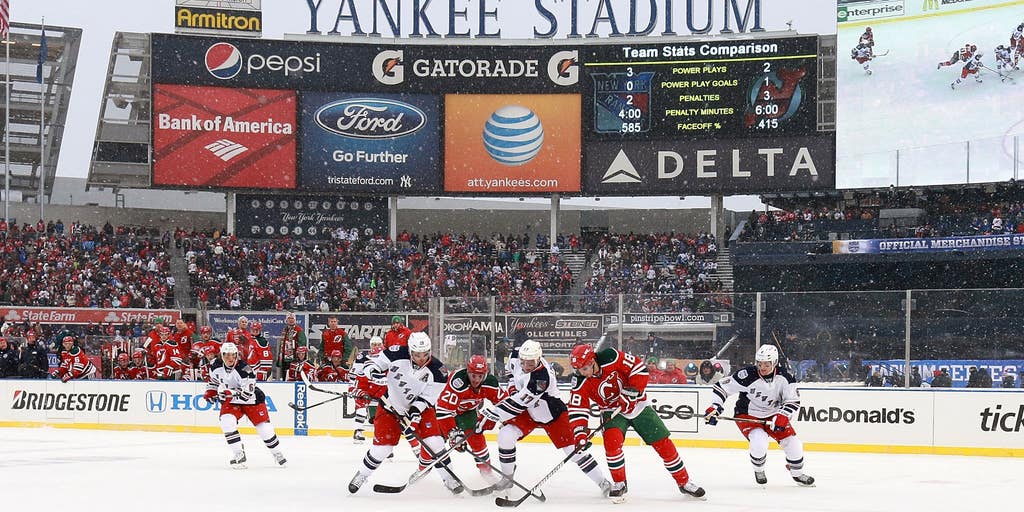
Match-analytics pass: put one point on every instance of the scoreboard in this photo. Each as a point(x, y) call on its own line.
point(701, 90)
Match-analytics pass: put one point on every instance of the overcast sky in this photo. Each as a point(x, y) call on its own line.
point(100, 19)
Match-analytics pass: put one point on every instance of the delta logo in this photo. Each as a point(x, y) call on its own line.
point(223, 61)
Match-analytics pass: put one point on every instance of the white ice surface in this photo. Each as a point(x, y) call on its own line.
point(907, 104)
point(61, 469)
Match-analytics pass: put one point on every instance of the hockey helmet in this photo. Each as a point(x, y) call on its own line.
point(767, 353)
point(476, 364)
point(68, 339)
point(206, 329)
point(530, 351)
point(228, 348)
point(691, 368)
point(256, 327)
point(164, 331)
point(123, 358)
point(376, 345)
point(582, 355)
point(139, 353)
point(419, 342)
point(302, 351)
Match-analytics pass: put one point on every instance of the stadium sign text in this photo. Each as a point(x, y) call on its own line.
point(218, 20)
point(548, 18)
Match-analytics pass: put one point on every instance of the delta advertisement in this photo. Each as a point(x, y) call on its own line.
point(377, 143)
point(308, 217)
point(214, 137)
point(512, 143)
point(923, 245)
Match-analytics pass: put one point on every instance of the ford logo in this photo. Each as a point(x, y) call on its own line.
point(369, 118)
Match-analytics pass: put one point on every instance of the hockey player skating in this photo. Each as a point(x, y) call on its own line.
point(767, 392)
point(414, 383)
point(863, 55)
point(970, 69)
point(962, 55)
point(1004, 60)
point(234, 384)
point(533, 401)
point(459, 404)
point(614, 380)
point(1017, 44)
point(867, 38)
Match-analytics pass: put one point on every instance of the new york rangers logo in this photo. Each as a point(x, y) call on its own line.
point(223, 60)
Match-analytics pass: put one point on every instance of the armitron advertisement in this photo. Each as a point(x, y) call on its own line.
point(512, 143)
point(379, 143)
point(216, 137)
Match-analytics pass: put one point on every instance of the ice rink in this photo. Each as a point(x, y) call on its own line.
point(104, 470)
point(907, 104)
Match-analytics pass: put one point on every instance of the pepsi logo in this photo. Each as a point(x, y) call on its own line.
point(513, 135)
point(223, 60)
point(370, 118)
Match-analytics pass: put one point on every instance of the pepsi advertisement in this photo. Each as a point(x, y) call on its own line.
point(374, 143)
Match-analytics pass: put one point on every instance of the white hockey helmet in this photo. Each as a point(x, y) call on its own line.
point(979, 55)
point(228, 348)
point(376, 340)
point(530, 351)
point(419, 342)
point(767, 353)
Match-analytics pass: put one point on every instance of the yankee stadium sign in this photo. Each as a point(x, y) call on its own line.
point(548, 19)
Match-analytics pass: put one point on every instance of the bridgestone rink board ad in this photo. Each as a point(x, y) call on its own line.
point(838, 419)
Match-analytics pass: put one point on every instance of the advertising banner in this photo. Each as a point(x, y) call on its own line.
point(273, 323)
point(44, 315)
point(363, 67)
point(870, 10)
point(989, 419)
point(509, 143)
point(359, 326)
point(378, 143)
point(714, 166)
point(938, 244)
point(959, 370)
point(724, 317)
point(308, 217)
point(558, 333)
point(217, 21)
point(218, 137)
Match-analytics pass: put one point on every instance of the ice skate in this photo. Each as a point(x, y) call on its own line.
point(606, 487)
point(279, 457)
point(238, 462)
point(357, 437)
point(357, 482)
point(454, 485)
point(618, 489)
point(760, 478)
point(804, 480)
point(503, 484)
point(692, 489)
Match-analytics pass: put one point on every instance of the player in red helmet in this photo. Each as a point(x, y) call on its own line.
point(459, 405)
point(140, 370)
point(122, 370)
point(613, 380)
point(332, 370)
point(260, 357)
point(301, 365)
point(74, 364)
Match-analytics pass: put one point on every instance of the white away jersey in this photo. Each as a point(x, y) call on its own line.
point(409, 385)
point(240, 380)
point(535, 392)
point(759, 397)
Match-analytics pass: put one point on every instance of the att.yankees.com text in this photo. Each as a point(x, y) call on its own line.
point(511, 182)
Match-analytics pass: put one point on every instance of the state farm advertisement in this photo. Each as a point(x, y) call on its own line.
point(214, 137)
point(44, 315)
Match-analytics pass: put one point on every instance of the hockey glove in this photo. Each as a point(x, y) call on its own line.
point(778, 423)
point(65, 377)
point(581, 437)
point(487, 420)
point(711, 414)
point(457, 439)
point(628, 406)
point(226, 396)
point(210, 396)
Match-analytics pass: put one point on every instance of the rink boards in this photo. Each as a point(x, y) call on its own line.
point(960, 422)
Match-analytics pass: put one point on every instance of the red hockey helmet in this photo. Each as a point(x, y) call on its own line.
point(164, 331)
point(139, 353)
point(206, 329)
point(476, 364)
point(301, 351)
point(123, 358)
point(256, 327)
point(68, 339)
point(582, 355)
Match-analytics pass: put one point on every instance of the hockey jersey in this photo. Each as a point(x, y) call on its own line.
point(409, 386)
point(761, 397)
point(621, 374)
point(296, 368)
point(535, 393)
point(459, 397)
point(260, 358)
point(240, 380)
point(75, 364)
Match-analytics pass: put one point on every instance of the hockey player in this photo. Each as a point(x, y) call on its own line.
point(234, 384)
point(1017, 44)
point(336, 338)
point(533, 401)
point(170, 360)
point(1004, 59)
point(460, 402)
point(300, 365)
point(867, 38)
point(415, 380)
point(205, 339)
point(614, 380)
point(367, 388)
point(862, 54)
point(184, 334)
point(209, 359)
point(962, 55)
point(74, 364)
point(332, 370)
point(122, 370)
point(140, 370)
point(260, 356)
point(398, 334)
point(971, 68)
point(767, 392)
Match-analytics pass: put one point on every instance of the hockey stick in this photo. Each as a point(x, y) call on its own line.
point(505, 502)
point(1002, 77)
point(419, 474)
point(691, 415)
point(539, 494)
point(883, 54)
point(303, 408)
point(310, 385)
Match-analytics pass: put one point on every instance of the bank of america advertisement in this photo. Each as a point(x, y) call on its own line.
point(379, 143)
point(213, 137)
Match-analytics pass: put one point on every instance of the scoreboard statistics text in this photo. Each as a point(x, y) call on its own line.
point(700, 90)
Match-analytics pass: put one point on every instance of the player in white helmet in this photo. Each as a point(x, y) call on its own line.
point(233, 382)
point(366, 407)
point(973, 67)
point(766, 392)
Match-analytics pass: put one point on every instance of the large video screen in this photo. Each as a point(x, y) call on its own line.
point(934, 94)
